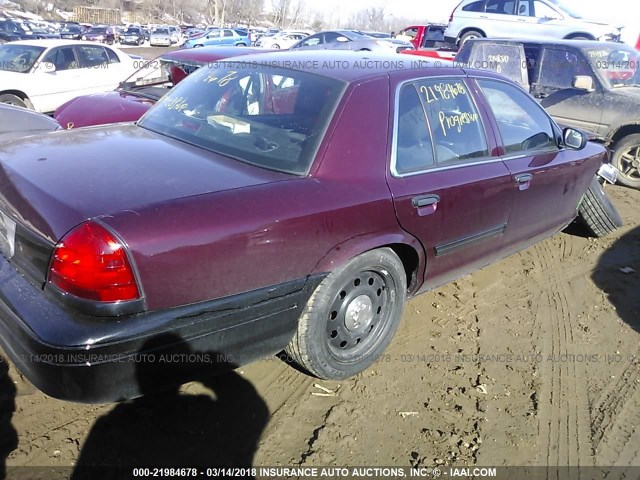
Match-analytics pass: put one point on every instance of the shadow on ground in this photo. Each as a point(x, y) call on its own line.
point(8, 435)
point(622, 289)
point(174, 429)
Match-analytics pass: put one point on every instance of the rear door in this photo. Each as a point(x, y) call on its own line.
point(499, 19)
point(449, 188)
point(548, 181)
point(553, 87)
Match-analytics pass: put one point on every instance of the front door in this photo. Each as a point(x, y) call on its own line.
point(448, 189)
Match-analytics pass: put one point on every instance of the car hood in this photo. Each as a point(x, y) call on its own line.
point(102, 108)
point(54, 181)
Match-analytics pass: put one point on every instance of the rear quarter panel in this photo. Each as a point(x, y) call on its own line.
point(214, 245)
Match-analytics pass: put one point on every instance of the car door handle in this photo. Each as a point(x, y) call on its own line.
point(541, 95)
point(523, 180)
point(425, 200)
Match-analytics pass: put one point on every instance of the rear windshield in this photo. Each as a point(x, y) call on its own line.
point(161, 31)
point(98, 30)
point(258, 114)
point(18, 58)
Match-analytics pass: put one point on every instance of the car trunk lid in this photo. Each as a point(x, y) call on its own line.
point(52, 182)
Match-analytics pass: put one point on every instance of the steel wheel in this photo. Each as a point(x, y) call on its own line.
point(359, 313)
point(351, 316)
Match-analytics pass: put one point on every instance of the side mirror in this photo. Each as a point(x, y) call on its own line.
point(574, 139)
point(47, 67)
point(583, 82)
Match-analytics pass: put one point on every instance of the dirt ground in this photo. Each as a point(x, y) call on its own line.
point(532, 361)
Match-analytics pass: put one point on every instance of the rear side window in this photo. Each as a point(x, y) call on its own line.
point(414, 148)
point(456, 128)
point(113, 58)
point(522, 123)
point(474, 7)
point(90, 56)
point(501, 6)
point(506, 59)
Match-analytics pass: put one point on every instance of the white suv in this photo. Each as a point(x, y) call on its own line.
point(523, 19)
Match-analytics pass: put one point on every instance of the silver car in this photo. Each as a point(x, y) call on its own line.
point(350, 40)
point(160, 37)
point(523, 19)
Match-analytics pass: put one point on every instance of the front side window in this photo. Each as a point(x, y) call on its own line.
point(522, 123)
point(311, 41)
point(456, 127)
point(265, 116)
point(62, 58)
point(559, 67)
point(330, 37)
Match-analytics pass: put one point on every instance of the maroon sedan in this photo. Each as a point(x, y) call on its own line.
point(282, 201)
point(143, 89)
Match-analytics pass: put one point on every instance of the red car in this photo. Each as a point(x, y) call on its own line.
point(270, 203)
point(143, 89)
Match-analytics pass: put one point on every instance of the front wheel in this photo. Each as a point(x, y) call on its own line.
point(12, 100)
point(626, 159)
point(597, 212)
point(351, 316)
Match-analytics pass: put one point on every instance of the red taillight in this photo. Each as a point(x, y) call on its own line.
point(90, 263)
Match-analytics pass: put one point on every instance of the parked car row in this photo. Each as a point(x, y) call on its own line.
point(43, 74)
point(456, 169)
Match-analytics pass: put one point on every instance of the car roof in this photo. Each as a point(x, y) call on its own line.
point(347, 66)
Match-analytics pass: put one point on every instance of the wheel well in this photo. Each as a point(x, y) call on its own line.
point(410, 261)
point(23, 96)
point(624, 131)
point(579, 34)
point(469, 29)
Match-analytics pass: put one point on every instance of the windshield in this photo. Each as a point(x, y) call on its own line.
point(258, 114)
point(101, 30)
point(161, 31)
point(71, 29)
point(132, 31)
point(617, 64)
point(18, 58)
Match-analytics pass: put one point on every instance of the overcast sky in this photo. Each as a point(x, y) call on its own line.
point(619, 12)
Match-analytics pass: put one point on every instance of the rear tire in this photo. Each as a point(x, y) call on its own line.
point(13, 100)
point(597, 212)
point(471, 34)
point(626, 159)
point(351, 316)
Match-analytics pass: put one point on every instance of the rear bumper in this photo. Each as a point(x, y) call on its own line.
point(98, 360)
